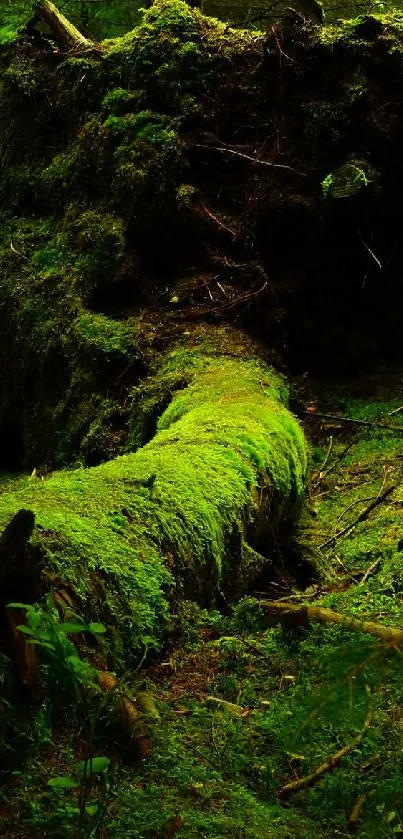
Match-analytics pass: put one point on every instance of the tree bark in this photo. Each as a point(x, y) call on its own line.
point(66, 35)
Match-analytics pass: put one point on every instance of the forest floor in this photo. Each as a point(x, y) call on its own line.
point(245, 707)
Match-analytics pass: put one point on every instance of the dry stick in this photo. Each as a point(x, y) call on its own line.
point(367, 248)
point(340, 458)
point(370, 570)
point(224, 307)
point(345, 451)
point(351, 445)
point(218, 222)
point(354, 504)
point(367, 423)
point(329, 765)
point(325, 462)
point(281, 51)
point(283, 612)
point(252, 159)
point(364, 515)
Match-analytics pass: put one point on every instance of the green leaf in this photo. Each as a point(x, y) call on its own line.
point(91, 809)
point(95, 766)
point(68, 810)
point(63, 782)
point(26, 629)
point(18, 606)
point(71, 628)
point(97, 628)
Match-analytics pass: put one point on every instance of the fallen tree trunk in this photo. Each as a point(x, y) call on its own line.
point(188, 515)
point(291, 614)
point(66, 35)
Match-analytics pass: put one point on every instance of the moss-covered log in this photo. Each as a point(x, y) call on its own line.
point(189, 514)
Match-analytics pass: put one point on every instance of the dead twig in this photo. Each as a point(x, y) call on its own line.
point(281, 51)
point(352, 421)
point(364, 515)
point(218, 222)
point(330, 764)
point(252, 159)
point(325, 462)
point(354, 504)
point(367, 248)
point(224, 307)
point(370, 570)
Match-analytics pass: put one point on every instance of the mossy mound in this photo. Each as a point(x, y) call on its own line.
point(191, 512)
point(129, 182)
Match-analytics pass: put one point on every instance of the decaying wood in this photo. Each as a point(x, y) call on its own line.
point(66, 35)
point(328, 766)
point(19, 581)
point(292, 614)
point(133, 720)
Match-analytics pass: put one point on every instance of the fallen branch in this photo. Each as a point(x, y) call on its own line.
point(295, 615)
point(355, 814)
point(329, 765)
point(364, 515)
point(66, 35)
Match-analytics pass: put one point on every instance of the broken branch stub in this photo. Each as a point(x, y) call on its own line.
point(66, 35)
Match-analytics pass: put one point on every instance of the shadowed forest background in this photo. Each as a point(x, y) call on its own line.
point(100, 19)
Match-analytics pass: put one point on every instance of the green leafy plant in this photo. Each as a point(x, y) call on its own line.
point(63, 668)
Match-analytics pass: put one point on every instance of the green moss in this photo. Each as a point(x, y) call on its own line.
point(100, 335)
point(120, 101)
point(67, 354)
point(8, 35)
point(349, 180)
